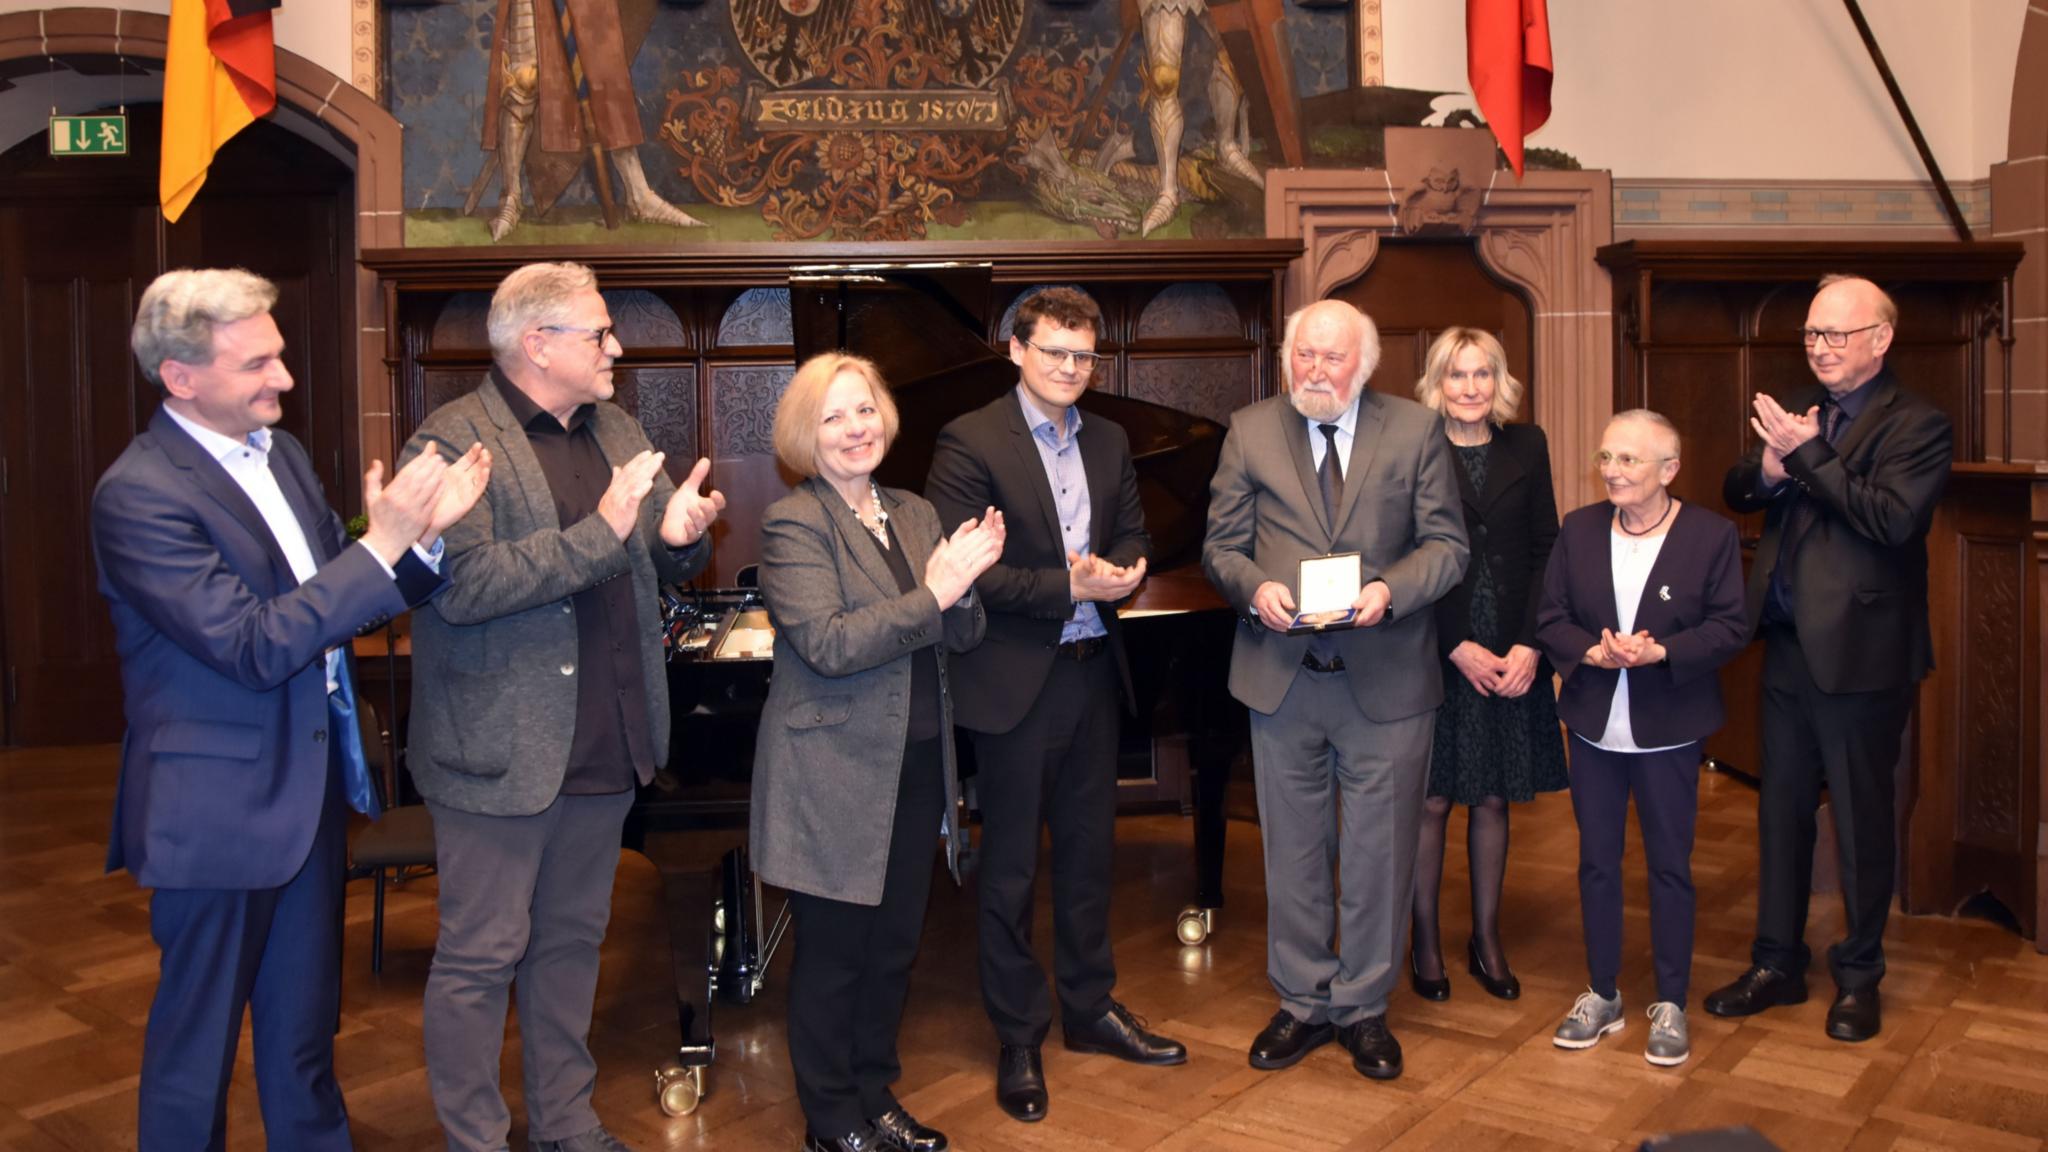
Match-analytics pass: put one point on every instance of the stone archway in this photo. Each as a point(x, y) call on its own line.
point(2019, 211)
point(1539, 234)
point(372, 133)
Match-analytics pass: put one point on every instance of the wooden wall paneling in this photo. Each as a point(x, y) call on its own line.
point(1973, 821)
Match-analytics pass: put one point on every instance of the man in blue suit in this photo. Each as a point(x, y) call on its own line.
point(234, 591)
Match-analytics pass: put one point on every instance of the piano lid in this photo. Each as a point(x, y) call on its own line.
point(928, 327)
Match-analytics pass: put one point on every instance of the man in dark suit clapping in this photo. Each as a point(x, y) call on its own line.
point(1040, 694)
point(1847, 479)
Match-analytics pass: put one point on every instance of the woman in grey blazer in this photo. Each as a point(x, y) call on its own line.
point(853, 772)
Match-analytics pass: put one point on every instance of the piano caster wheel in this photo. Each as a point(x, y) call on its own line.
point(718, 918)
point(679, 1089)
point(1194, 925)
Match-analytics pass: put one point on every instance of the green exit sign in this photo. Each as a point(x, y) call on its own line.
point(88, 135)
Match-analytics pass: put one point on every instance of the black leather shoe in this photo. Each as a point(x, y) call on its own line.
point(1118, 1033)
point(1854, 1016)
point(1374, 1051)
point(1285, 1040)
point(861, 1141)
point(899, 1130)
point(1755, 990)
point(1505, 988)
point(1438, 989)
point(1020, 1082)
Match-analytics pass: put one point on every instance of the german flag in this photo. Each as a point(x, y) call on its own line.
point(220, 73)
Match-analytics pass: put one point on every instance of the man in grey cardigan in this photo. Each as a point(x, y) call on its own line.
point(538, 702)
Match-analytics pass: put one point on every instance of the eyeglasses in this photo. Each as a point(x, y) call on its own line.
point(603, 334)
point(1061, 357)
point(1627, 460)
point(1809, 336)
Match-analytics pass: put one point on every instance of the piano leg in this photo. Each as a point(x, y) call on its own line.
point(1210, 758)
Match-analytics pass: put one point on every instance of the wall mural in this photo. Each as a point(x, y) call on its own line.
point(675, 121)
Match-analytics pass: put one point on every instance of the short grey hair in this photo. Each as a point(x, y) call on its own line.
point(179, 310)
point(532, 296)
point(1368, 338)
point(1655, 420)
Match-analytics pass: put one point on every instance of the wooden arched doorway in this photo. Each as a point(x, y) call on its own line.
point(80, 239)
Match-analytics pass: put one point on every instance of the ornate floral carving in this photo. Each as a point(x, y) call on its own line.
point(1191, 309)
point(644, 320)
point(668, 410)
point(1209, 386)
point(760, 316)
point(1988, 808)
point(743, 407)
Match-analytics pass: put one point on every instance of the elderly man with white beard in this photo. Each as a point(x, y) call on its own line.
point(1342, 719)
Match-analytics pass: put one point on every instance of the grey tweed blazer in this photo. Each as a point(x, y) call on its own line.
point(830, 753)
point(494, 656)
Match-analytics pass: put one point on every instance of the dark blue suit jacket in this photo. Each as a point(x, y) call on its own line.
point(1692, 605)
point(224, 766)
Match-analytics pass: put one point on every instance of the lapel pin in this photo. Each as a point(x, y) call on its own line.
point(1664, 592)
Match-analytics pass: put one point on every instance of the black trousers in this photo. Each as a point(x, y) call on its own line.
point(1850, 742)
point(1666, 788)
point(852, 968)
point(1057, 768)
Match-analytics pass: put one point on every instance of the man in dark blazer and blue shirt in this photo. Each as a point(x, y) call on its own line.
point(235, 591)
point(1847, 477)
point(1040, 694)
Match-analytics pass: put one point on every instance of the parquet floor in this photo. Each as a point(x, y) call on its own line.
point(1962, 1063)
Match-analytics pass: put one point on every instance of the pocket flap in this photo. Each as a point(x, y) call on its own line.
point(207, 738)
point(823, 712)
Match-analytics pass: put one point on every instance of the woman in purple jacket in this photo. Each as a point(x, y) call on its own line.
point(1642, 604)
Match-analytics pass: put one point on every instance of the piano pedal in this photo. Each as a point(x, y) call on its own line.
point(1195, 925)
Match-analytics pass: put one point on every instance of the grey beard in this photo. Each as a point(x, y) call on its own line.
point(1318, 407)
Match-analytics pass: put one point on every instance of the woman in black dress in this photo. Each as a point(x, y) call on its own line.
point(1497, 738)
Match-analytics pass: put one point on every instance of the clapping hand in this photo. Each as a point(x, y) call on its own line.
point(960, 559)
point(690, 511)
point(1781, 432)
point(401, 512)
point(465, 483)
point(631, 482)
point(1093, 578)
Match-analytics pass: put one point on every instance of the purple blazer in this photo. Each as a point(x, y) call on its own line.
point(1692, 604)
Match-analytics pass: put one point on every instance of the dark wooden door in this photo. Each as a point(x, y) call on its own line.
point(1416, 289)
point(80, 239)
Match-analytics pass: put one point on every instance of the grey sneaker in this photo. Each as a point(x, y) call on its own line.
point(1591, 1018)
point(1668, 1043)
point(595, 1140)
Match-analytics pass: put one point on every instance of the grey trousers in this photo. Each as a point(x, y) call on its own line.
point(524, 901)
point(1340, 804)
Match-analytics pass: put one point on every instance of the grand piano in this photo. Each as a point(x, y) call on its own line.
point(933, 330)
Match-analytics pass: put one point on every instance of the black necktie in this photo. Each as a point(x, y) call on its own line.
point(1330, 474)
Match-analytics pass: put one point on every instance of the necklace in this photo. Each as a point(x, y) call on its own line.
point(880, 528)
point(1621, 518)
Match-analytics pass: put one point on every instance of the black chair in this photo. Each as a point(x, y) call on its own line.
point(399, 842)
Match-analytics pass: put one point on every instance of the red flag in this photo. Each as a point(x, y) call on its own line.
point(220, 73)
point(1507, 56)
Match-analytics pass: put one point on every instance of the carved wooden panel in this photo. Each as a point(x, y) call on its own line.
point(668, 411)
point(1209, 386)
point(1994, 651)
point(1190, 310)
point(743, 407)
point(463, 323)
point(440, 385)
point(759, 317)
point(644, 320)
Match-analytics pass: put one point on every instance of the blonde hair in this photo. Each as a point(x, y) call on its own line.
point(179, 310)
point(1507, 391)
point(532, 296)
point(797, 414)
point(1368, 338)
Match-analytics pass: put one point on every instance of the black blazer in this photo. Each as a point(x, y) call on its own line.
point(1511, 526)
point(985, 458)
point(1861, 602)
point(1692, 604)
